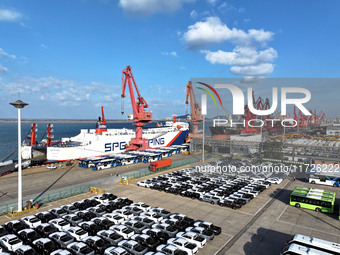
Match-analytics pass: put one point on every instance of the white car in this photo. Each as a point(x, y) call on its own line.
point(126, 214)
point(60, 224)
point(116, 251)
point(10, 242)
point(114, 217)
point(153, 216)
point(77, 232)
point(80, 248)
point(184, 245)
point(32, 221)
point(51, 167)
point(274, 180)
point(61, 252)
point(169, 249)
point(193, 238)
point(123, 230)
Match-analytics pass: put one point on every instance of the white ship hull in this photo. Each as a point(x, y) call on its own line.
point(90, 144)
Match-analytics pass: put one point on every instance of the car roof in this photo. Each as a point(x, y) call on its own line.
point(43, 239)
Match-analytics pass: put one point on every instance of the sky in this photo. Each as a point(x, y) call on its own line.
point(65, 58)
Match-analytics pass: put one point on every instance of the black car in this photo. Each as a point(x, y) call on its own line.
point(28, 235)
point(45, 216)
point(109, 196)
point(158, 234)
point(91, 202)
point(124, 201)
point(45, 246)
point(81, 205)
point(179, 225)
point(15, 226)
point(209, 226)
point(182, 217)
point(86, 215)
point(103, 222)
point(45, 229)
point(3, 231)
point(98, 244)
point(147, 241)
point(91, 227)
point(230, 204)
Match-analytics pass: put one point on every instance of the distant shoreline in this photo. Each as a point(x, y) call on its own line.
point(70, 121)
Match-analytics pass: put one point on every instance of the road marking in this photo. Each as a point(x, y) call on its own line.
point(282, 213)
point(271, 198)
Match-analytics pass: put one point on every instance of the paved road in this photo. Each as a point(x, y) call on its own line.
point(40, 180)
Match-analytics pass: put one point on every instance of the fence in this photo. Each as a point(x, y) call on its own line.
point(145, 171)
point(4, 209)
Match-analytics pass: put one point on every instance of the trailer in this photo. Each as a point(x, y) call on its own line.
point(159, 165)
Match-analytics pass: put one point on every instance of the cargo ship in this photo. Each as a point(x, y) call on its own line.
point(102, 141)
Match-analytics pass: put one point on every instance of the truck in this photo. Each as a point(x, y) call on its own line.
point(158, 165)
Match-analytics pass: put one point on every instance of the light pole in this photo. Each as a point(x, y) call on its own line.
point(203, 112)
point(19, 104)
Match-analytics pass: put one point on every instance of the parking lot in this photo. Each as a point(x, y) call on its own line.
point(261, 227)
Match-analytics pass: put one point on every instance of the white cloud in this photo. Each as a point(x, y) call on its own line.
point(213, 31)
point(171, 53)
point(148, 7)
point(9, 15)
point(253, 70)
point(193, 14)
point(3, 53)
point(248, 58)
point(3, 69)
point(241, 56)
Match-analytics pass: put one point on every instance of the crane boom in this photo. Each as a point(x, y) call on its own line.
point(140, 117)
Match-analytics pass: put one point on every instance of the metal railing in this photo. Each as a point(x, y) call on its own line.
point(145, 171)
point(50, 197)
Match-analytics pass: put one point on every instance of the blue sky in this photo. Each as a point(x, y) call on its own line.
point(66, 57)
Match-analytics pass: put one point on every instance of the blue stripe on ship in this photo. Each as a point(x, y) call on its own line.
point(180, 139)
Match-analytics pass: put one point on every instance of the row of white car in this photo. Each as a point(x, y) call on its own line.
point(135, 228)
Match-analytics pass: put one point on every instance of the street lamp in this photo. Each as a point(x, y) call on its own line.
point(203, 112)
point(19, 105)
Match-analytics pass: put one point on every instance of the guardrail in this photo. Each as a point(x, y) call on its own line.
point(145, 171)
point(50, 197)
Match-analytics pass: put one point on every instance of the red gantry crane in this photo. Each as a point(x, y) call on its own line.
point(140, 117)
point(196, 116)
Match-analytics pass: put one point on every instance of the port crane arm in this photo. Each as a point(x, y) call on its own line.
point(127, 78)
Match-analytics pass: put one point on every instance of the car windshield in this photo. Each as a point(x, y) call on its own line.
point(139, 225)
point(75, 218)
point(31, 235)
point(29, 252)
point(34, 220)
point(65, 238)
point(126, 231)
point(48, 228)
point(170, 228)
point(63, 223)
point(100, 243)
point(85, 250)
point(13, 241)
point(179, 252)
point(114, 236)
point(60, 211)
point(106, 222)
point(80, 232)
point(138, 248)
point(49, 245)
point(18, 225)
